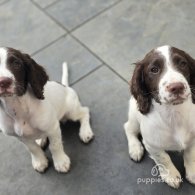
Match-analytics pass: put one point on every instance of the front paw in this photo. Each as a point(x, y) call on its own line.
point(62, 163)
point(190, 173)
point(86, 135)
point(136, 151)
point(40, 165)
point(171, 176)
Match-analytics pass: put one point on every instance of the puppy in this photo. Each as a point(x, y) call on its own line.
point(31, 108)
point(162, 109)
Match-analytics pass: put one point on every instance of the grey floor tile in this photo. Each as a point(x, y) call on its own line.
point(117, 37)
point(25, 27)
point(72, 13)
point(80, 61)
point(126, 32)
point(45, 3)
point(176, 27)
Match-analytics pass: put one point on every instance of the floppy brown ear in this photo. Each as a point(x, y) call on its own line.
point(36, 76)
point(192, 75)
point(139, 89)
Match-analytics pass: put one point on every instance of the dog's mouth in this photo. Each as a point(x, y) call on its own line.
point(178, 99)
point(6, 92)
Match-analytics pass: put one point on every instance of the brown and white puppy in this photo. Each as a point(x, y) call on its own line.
point(162, 109)
point(31, 108)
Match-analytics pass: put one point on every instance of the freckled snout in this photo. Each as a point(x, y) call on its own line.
point(5, 82)
point(176, 88)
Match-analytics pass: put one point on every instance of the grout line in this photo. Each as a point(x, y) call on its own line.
point(81, 43)
point(90, 72)
point(52, 42)
point(91, 18)
point(48, 15)
point(114, 71)
point(56, 1)
point(66, 29)
point(103, 62)
point(53, 19)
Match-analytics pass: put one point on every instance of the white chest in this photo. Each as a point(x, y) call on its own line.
point(169, 129)
point(15, 118)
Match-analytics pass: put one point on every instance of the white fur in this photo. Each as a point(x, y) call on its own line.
point(165, 127)
point(4, 72)
point(29, 119)
point(3, 69)
point(65, 74)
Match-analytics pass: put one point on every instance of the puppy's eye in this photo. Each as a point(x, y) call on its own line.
point(155, 70)
point(16, 64)
point(182, 63)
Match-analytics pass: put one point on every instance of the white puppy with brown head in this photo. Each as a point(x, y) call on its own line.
point(162, 109)
point(31, 108)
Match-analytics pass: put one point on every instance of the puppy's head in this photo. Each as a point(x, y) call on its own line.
point(167, 75)
point(17, 71)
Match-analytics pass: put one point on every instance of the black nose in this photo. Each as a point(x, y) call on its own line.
point(176, 88)
point(5, 82)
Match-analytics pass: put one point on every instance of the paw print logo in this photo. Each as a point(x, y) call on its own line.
point(159, 170)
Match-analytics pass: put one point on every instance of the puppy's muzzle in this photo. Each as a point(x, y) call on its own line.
point(176, 88)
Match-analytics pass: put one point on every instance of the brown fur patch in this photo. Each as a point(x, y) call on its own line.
point(144, 83)
point(26, 70)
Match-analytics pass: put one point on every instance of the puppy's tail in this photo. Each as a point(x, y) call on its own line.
point(65, 74)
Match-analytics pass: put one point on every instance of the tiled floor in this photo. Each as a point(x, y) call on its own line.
point(99, 39)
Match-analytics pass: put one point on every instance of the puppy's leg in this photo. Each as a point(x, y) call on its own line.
point(131, 127)
point(39, 160)
point(167, 170)
point(82, 114)
point(60, 159)
point(78, 113)
point(189, 163)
